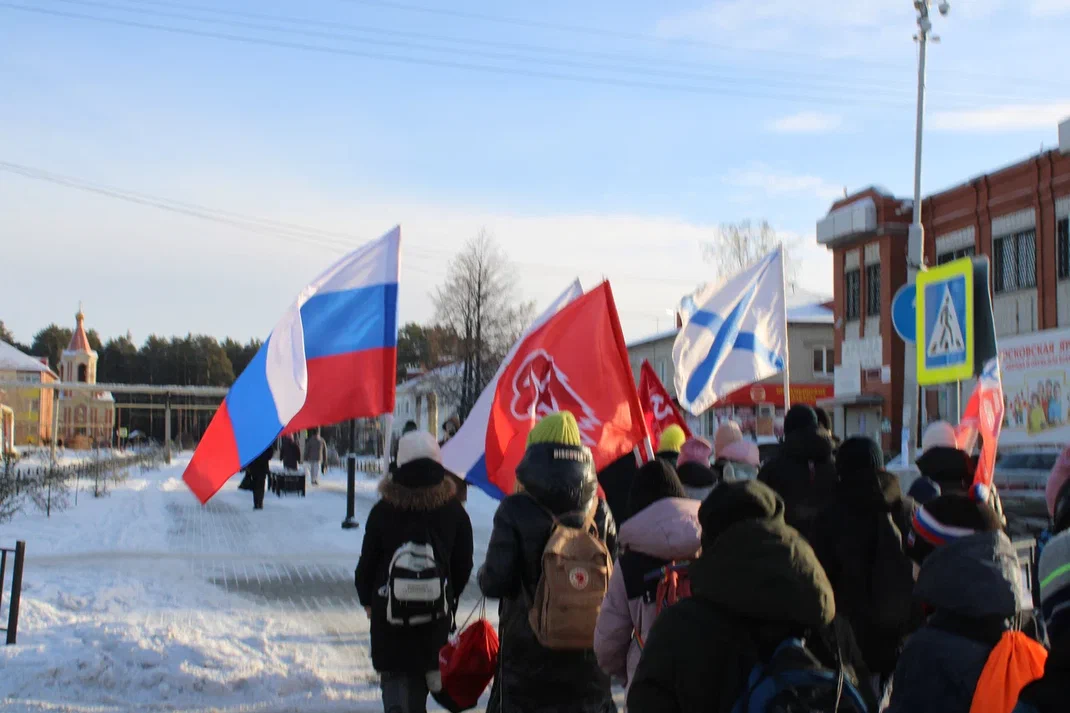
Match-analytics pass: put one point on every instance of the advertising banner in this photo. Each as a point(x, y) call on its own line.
point(1035, 370)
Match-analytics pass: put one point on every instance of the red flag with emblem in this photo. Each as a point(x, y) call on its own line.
point(575, 362)
point(659, 412)
point(983, 416)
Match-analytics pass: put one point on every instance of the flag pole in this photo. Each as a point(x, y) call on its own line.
point(787, 357)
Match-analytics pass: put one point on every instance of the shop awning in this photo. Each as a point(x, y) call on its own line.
point(852, 400)
point(755, 394)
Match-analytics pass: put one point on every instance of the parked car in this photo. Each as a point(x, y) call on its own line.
point(1020, 477)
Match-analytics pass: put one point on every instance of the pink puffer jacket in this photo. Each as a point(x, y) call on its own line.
point(668, 530)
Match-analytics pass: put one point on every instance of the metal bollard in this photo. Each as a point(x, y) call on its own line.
point(16, 593)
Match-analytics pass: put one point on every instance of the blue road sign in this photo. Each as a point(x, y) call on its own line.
point(945, 350)
point(904, 316)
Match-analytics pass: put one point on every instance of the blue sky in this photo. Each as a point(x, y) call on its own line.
point(661, 121)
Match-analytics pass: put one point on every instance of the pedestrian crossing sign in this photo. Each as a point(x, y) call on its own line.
point(945, 310)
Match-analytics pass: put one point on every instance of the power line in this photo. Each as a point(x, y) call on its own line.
point(462, 65)
point(673, 69)
point(294, 232)
point(262, 226)
point(637, 36)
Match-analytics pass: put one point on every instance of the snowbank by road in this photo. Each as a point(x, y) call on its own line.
point(145, 600)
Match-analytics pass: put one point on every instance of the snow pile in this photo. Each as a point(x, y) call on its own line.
point(145, 600)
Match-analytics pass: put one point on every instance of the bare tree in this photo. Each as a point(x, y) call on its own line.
point(479, 303)
point(736, 246)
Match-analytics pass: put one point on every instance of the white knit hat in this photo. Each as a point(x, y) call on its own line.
point(416, 445)
point(939, 434)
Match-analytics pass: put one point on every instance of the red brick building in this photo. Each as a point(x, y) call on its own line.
point(1018, 216)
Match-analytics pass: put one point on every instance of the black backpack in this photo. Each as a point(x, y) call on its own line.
point(794, 681)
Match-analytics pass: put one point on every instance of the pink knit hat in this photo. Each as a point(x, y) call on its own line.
point(727, 434)
point(741, 452)
point(1060, 474)
point(695, 450)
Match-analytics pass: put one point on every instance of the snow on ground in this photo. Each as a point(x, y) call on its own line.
point(145, 600)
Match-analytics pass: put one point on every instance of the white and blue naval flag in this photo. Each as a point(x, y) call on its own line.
point(736, 336)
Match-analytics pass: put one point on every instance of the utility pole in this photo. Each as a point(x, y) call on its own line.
point(916, 235)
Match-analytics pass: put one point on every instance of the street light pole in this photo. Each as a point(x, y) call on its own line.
point(916, 234)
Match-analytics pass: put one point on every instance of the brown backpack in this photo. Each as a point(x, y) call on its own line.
point(575, 578)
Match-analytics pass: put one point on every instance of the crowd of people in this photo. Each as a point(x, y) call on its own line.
point(809, 582)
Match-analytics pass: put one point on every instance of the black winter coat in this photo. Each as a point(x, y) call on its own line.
point(972, 585)
point(290, 453)
point(261, 464)
point(803, 473)
point(533, 679)
point(872, 575)
point(415, 500)
point(1050, 694)
point(755, 585)
point(616, 481)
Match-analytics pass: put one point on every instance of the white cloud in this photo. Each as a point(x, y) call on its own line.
point(805, 122)
point(998, 119)
point(774, 182)
point(236, 283)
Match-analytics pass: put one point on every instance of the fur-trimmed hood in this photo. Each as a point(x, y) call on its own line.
point(419, 486)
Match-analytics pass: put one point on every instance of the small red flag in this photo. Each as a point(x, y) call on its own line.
point(983, 416)
point(659, 412)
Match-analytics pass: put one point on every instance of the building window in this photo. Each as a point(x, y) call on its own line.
point(873, 290)
point(952, 255)
point(1016, 261)
point(1063, 239)
point(82, 373)
point(852, 294)
point(824, 360)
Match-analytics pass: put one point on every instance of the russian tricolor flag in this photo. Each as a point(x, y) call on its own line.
point(332, 357)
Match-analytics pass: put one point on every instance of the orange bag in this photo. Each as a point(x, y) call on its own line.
point(1016, 661)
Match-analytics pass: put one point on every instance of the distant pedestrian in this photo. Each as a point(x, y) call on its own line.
point(950, 467)
point(861, 543)
point(414, 564)
point(289, 452)
point(258, 473)
point(693, 468)
point(735, 458)
point(803, 471)
point(672, 440)
point(316, 456)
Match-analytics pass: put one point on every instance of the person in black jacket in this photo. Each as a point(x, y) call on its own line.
point(970, 587)
point(258, 473)
point(803, 471)
point(418, 504)
point(755, 584)
point(616, 481)
point(861, 543)
point(289, 452)
point(557, 476)
point(950, 467)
